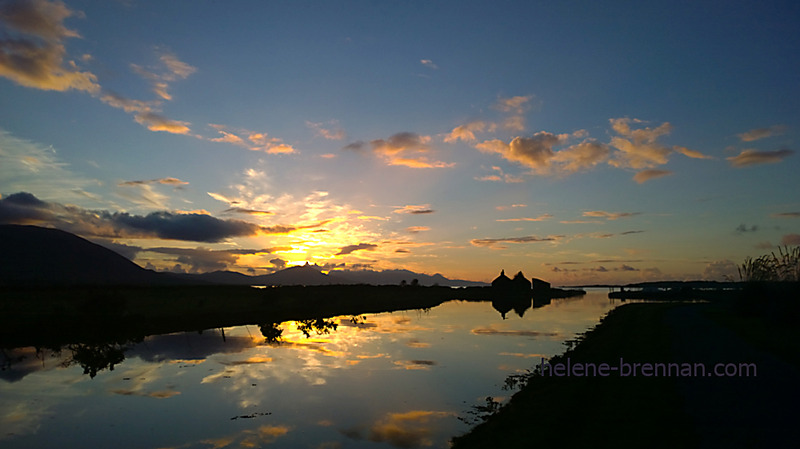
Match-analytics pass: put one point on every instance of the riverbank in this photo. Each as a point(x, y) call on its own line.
point(689, 408)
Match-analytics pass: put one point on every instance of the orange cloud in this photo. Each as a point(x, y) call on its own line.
point(405, 149)
point(414, 209)
point(35, 57)
point(156, 122)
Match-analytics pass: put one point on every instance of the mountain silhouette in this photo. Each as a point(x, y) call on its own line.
point(37, 256)
point(32, 255)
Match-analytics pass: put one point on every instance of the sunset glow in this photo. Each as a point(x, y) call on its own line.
point(581, 142)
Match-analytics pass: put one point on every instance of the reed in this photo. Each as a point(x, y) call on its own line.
point(784, 266)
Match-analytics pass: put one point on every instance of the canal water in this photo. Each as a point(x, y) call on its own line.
point(403, 379)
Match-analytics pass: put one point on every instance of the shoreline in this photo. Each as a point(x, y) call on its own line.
point(688, 410)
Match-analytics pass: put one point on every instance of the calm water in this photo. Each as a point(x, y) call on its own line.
point(397, 379)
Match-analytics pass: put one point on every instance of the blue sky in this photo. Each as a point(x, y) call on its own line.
point(576, 141)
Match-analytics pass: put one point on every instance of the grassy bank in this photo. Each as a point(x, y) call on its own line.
point(596, 411)
point(747, 409)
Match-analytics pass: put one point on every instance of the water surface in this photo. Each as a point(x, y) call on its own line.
point(399, 379)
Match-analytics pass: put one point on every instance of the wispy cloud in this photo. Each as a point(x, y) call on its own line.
point(761, 133)
point(754, 157)
point(149, 113)
point(252, 140)
point(329, 130)
point(26, 165)
point(429, 64)
point(786, 215)
point(646, 175)
point(417, 229)
point(33, 54)
point(539, 218)
point(610, 215)
point(638, 148)
point(414, 209)
point(167, 181)
point(467, 132)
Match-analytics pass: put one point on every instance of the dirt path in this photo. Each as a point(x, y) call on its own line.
point(757, 411)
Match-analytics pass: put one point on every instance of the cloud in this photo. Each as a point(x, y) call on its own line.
point(404, 430)
point(610, 215)
point(252, 140)
point(690, 153)
point(170, 69)
point(786, 215)
point(34, 57)
point(26, 165)
point(500, 176)
point(742, 228)
point(242, 210)
point(417, 229)
point(496, 243)
point(466, 132)
point(167, 181)
point(148, 113)
point(205, 260)
point(534, 152)
point(405, 149)
point(351, 248)
point(539, 218)
point(646, 175)
point(790, 239)
point(157, 122)
point(516, 105)
point(539, 153)
point(754, 157)
point(428, 63)
point(639, 148)
point(761, 133)
point(415, 209)
point(323, 129)
point(25, 208)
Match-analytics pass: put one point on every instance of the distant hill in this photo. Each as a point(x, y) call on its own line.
point(32, 255)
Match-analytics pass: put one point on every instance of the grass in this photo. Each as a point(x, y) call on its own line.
point(597, 411)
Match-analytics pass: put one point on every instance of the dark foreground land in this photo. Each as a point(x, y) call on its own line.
point(753, 335)
point(54, 316)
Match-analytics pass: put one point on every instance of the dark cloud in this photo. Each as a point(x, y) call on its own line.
point(358, 146)
point(743, 228)
point(167, 181)
point(786, 215)
point(25, 208)
point(351, 248)
point(525, 239)
point(204, 260)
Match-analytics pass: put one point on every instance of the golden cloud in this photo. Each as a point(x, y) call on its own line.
point(36, 59)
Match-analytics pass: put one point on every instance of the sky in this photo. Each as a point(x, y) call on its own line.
point(577, 141)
